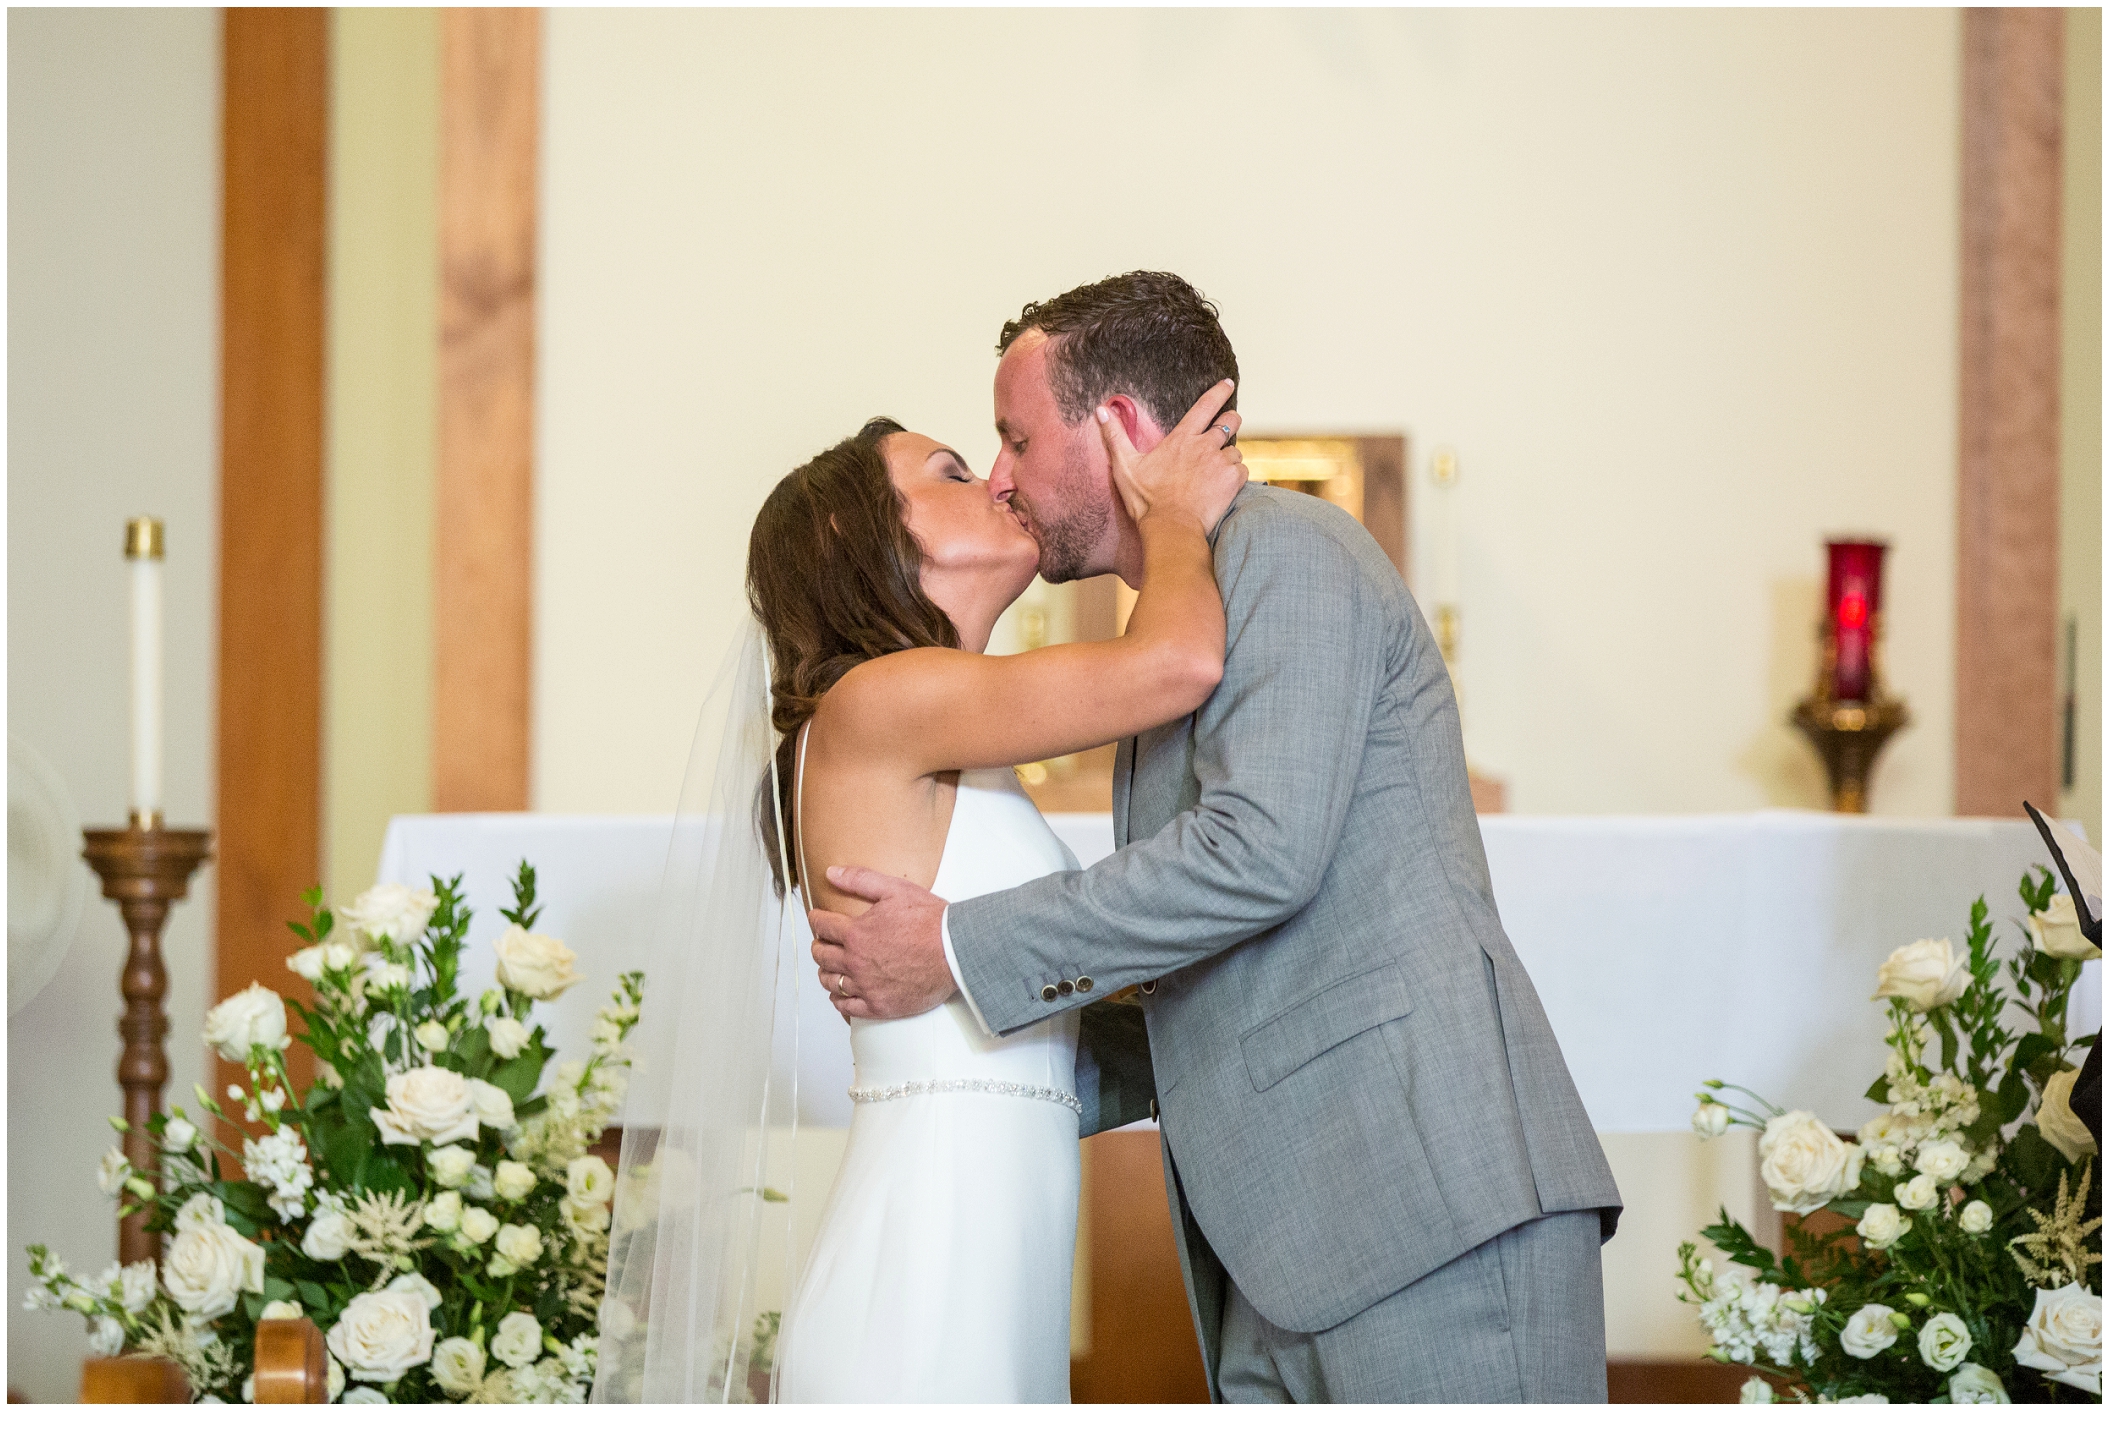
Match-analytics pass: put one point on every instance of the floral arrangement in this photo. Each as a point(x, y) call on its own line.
point(439, 1219)
point(1970, 1275)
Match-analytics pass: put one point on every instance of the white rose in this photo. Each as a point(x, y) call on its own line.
point(457, 1365)
point(1926, 974)
point(1975, 1384)
point(363, 1395)
point(427, 1104)
point(253, 1018)
point(494, 1106)
point(513, 1181)
point(1710, 1120)
point(1977, 1216)
point(534, 964)
point(208, 1268)
point(199, 1209)
point(336, 1380)
point(1755, 1391)
point(383, 1336)
point(450, 1165)
point(1918, 1193)
point(1943, 1160)
point(136, 1284)
point(312, 963)
point(1882, 1225)
point(518, 1341)
point(478, 1224)
point(2063, 1337)
point(2060, 1126)
point(281, 1309)
point(386, 978)
point(1944, 1341)
point(112, 1173)
point(178, 1135)
point(431, 1035)
point(418, 1284)
point(328, 1238)
point(105, 1337)
point(1868, 1332)
point(1804, 1164)
point(443, 1213)
point(1858, 1399)
point(587, 1180)
point(2056, 930)
point(520, 1244)
point(508, 1036)
point(390, 910)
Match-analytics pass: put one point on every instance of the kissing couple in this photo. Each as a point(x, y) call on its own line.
point(1384, 1186)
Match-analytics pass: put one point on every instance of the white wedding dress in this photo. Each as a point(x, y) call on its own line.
point(941, 1270)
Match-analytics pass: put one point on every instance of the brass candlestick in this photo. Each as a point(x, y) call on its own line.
point(144, 868)
point(1849, 732)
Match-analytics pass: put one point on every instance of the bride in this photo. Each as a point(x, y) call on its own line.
point(941, 1266)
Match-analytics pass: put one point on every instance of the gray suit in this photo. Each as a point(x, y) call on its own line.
point(1357, 1085)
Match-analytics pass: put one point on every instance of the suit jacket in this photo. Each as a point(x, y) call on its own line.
point(1355, 1078)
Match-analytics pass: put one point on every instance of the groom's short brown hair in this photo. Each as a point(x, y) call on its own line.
point(1147, 334)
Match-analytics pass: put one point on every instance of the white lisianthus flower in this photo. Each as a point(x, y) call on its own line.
point(1804, 1164)
point(584, 1218)
point(1882, 1225)
point(518, 1341)
point(387, 977)
point(363, 1395)
point(1868, 1332)
point(428, 1104)
point(1858, 1399)
point(113, 1172)
point(1710, 1120)
point(2056, 930)
point(199, 1209)
point(1944, 1341)
point(587, 1180)
point(520, 1244)
point(281, 1309)
point(253, 1018)
point(390, 910)
point(1975, 1384)
point(2060, 1126)
point(208, 1268)
point(2063, 1337)
point(1943, 1160)
point(457, 1365)
point(534, 964)
point(494, 1106)
point(312, 962)
point(1756, 1391)
point(431, 1035)
point(416, 1283)
point(178, 1135)
point(1981, 1164)
point(478, 1224)
point(450, 1165)
point(443, 1213)
point(328, 1238)
point(136, 1286)
point(383, 1336)
point(1926, 974)
point(478, 1184)
point(514, 1181)
point(1917, 1193)
point(1976, 1216)
point(508, 1036)
point(105, 1337)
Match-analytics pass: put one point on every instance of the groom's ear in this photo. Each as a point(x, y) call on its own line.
point(1143, 432)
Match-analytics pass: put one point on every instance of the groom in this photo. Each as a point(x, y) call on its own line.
point(1385, 1185)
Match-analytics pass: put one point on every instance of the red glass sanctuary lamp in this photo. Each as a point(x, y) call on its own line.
point(1850, 717)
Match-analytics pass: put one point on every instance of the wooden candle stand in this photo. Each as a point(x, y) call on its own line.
point(144, 868)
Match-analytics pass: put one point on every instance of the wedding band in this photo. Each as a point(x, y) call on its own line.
point(1230, 438)
point(842, 984)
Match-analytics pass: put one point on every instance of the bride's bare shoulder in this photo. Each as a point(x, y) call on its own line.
point(874, 699)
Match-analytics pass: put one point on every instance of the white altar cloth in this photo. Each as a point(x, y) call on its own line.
point(1667, 950)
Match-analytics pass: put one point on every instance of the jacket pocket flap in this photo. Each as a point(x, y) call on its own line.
point(1284, 1043)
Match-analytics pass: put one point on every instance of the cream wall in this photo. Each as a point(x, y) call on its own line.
point(1680, 287)
point(112, 398)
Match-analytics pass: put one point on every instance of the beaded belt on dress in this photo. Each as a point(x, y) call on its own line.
point(919, 1086)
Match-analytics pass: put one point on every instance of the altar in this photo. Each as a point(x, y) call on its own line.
point(1667, 950)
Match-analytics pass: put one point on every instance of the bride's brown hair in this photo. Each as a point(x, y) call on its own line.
point(835, 577)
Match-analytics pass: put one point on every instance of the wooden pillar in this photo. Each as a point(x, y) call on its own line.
point(274, 136)
point(2007, 534)
point(490, 66)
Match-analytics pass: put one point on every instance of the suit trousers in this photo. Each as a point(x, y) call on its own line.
point(1518, 1320)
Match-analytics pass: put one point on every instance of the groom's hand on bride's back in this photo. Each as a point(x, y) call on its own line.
point(889, 960)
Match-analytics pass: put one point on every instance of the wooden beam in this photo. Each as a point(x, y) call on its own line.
point(483, 603)
point(2007, 534)
point(274, 136)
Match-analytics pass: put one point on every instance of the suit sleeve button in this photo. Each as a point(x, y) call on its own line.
point(1049, 993)
point(1065, 988)
point(1084, 985)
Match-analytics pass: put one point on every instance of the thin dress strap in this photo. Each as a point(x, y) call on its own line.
point(798, 817)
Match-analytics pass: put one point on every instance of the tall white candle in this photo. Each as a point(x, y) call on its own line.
point(143, 552)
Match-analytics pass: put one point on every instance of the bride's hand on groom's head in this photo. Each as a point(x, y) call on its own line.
point(1193, 473)
point(889, 960)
